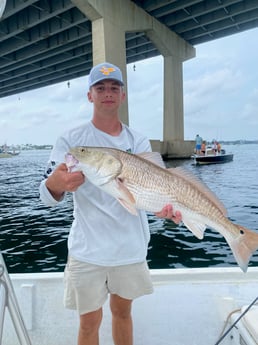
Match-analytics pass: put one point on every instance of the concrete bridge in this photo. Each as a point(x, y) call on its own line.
point(44, 42)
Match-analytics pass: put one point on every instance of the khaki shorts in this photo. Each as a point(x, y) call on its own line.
point(87, 286)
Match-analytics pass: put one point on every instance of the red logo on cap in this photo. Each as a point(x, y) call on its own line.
point(107, 70)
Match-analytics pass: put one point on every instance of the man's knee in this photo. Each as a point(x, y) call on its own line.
point(120, 307)
point(90, 322)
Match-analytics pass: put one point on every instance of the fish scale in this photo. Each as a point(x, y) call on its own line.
point(141, 185)
point(162, 189)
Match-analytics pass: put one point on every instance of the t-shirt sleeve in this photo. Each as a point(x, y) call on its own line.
point(57, 157)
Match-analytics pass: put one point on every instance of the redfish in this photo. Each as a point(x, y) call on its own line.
point(142, 182)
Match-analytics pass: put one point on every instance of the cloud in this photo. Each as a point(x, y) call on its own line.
point(75, 91)
point(220, 89)
point(250, 110)
point(211, 92)
point(145, 96)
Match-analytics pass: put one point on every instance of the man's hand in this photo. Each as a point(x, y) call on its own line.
point(61, 181)
point(167, 212)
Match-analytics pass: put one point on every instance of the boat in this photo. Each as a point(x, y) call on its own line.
point(196, 306)
point(211, 157)
point(5, 155)
point(13, 153)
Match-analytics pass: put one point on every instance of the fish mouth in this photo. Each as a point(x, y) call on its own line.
point(70, 161)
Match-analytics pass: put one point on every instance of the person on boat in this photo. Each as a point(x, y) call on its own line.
point(198, 143)
point(214, 147)
point(107, 246)
point(218, 147)
point(203, 147)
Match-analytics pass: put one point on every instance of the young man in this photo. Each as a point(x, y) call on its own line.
point(107, 245)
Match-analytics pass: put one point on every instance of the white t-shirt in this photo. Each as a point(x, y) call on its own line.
point(102, 232)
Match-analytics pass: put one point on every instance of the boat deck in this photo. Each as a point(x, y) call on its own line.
point(188, 306)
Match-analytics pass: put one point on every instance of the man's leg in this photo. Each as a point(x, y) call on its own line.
point(89, 328)
point(122, 325)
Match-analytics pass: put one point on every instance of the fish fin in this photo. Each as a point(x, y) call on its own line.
point(153, 157)
point(201, 186)
point(128, 206)
point(196, 228)
point(127, 199)
point(243, 246)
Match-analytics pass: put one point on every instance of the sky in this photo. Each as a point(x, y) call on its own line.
point(220, 98)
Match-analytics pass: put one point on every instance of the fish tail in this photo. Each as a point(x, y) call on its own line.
point(243, 246)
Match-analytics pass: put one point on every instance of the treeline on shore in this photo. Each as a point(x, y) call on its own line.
point(236, 142)
point(35, 147)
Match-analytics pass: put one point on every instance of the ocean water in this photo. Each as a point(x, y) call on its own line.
point(33, 237)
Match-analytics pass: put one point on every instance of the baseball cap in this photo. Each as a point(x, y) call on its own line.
point(105, 71)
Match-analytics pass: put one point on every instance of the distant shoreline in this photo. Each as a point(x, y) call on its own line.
point(238, 142)
point(49, 147)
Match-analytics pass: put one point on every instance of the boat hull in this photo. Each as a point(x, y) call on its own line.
point(213, 159)
point(5, 155)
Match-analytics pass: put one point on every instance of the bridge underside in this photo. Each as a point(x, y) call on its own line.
point(45, 42)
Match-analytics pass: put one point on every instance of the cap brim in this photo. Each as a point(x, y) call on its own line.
point(102, 79)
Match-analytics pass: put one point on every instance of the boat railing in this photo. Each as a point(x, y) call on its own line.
point(8, 301)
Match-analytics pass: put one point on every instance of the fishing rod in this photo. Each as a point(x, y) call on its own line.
point(239, 318)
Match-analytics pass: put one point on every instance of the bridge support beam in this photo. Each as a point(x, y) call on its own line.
point(173, 122)
point(109, 45)
point(111, 19)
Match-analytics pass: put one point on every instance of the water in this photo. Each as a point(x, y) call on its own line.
point(33, 237)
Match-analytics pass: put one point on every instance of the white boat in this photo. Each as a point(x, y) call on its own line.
point(211, 157)
point(188, 307)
